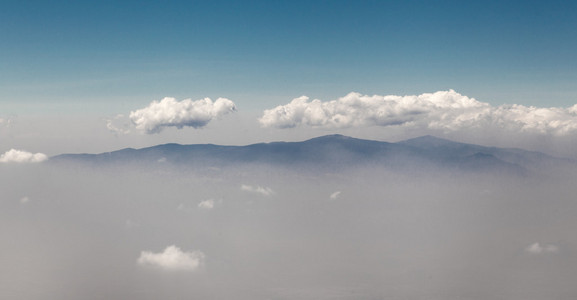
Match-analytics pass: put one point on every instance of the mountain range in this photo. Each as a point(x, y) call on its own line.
point(334, 152)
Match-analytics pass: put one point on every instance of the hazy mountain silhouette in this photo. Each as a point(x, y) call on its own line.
point(333, 152)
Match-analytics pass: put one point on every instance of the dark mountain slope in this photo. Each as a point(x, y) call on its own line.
point(330, 152)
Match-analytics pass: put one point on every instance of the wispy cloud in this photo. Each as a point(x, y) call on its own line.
point(335, 195)
point(19, 156)
point(265, 191)
point(186, 113)
point(206, 204)
point(172, 259)
point(444, 110)
point(118, 125)
point(537, 248)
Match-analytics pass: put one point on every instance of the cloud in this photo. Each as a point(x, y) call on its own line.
point(118, 125)
point(206, 204)
point(265, 191)
point(24, 200)
point(335, 195)
point(537, 248)
point(6, 122)
point(444, 110)
point(19, 156)
point(172, 259)
point(186, 113)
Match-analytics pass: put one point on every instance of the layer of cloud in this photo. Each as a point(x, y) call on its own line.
point(172, 259)
point(444, 110)
point(19, 156)
point(186, 113)
point(537, 248)
point(265, 191)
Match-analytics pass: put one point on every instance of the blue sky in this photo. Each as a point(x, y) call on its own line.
point(102, 58)
point(78, 54)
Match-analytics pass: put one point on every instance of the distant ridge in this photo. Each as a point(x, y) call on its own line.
point(332, 152)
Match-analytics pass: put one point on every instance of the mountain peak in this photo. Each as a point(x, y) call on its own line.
point(427, 141)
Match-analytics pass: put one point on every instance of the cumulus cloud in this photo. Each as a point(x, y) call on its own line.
point(537, 248)
point(19, 156)
point(186, 113)
point(444, 110)
point(172, 259)
point(206, 204)
point(335, 195)
point(265, 191)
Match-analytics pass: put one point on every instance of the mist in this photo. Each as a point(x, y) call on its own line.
point(73, 231)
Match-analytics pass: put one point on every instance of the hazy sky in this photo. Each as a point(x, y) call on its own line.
point(67, 68)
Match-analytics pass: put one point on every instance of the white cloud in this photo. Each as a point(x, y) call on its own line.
point(24, 200)
point(19, 156)
point(172, 259)
point(335, 195)
point(171, 113)
point(265, 191)
point(6, 122)
point(206, 204)
point(118, 125)
point(537, 248)
point(444, 110)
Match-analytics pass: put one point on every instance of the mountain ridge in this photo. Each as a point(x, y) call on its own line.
point(334, 152)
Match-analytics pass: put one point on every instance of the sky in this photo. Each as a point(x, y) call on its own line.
point(67, 68)
point(98, 76)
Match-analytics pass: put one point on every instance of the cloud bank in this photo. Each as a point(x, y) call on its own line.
point(172, 259)
point(265, 191)
point(186, 113)
point(444, 110)
point(19, 156)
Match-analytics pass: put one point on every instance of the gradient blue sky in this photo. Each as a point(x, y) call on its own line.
point(110, 56)
point(66, 67)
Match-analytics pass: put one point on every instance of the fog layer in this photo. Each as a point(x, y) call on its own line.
point(78, 232)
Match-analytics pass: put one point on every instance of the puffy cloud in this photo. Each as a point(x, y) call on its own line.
point(265, 191)
point(172, 259)
point(19, 156)
point(444, 110)
point(537, 248)
point(171, 113)
point(335, 195)
point(206, 204)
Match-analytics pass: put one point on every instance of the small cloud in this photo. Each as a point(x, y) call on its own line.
point(186, 113)
point(335, 195)
point(24, 200)
point(161, 160)
point(537, 248)
point(19, 156)
point(172, 259)
point(265, 191)
point(206, 204)
point(118, 125)
point(6, 122)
